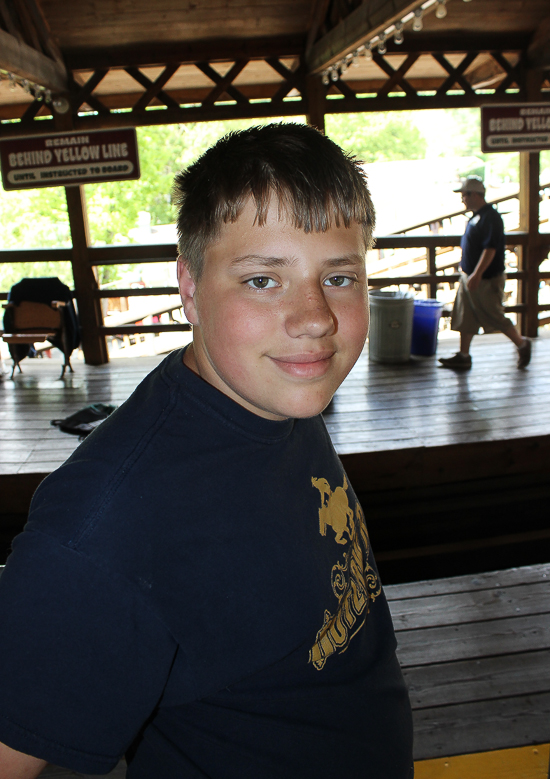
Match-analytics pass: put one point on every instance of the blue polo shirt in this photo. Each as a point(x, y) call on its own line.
point(485, 230)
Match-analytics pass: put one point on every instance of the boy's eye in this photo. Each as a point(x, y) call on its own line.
point(338, 281)
point(261, 282)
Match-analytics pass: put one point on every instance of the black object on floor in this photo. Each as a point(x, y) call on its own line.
point(83, 422)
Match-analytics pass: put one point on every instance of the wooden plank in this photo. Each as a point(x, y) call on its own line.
point(414, 466)
point(473, 640)
point(26, 62)
point(487, 678)
point(483, 581)
point(475, 606)
point(481, 726)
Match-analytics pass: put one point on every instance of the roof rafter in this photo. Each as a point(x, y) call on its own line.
point(227, 50)
point(369, 19)
point(26, 62)
point(539, 48)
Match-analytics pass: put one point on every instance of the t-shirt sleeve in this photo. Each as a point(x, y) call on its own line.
point(83, 659)
point(492, 232)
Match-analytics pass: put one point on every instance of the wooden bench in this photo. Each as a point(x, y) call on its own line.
point(475, 653)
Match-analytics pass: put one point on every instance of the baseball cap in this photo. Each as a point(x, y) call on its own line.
point(472, 184)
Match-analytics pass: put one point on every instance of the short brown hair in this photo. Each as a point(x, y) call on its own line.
point(315, 182)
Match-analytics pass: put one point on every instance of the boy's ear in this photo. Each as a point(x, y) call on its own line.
point(187, 291)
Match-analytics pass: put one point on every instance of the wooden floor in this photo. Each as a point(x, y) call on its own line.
point(378, 408)
point(384, 407)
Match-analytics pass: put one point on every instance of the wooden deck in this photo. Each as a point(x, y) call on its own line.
point(379, 408)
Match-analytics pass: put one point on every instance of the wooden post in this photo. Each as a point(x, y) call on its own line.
point(530, 256)
point(315, 95)
point(94, 344)
point(432, 269)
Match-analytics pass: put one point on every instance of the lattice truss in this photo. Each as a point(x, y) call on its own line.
point(182, 91)
point(199, 91)
point(440, 76)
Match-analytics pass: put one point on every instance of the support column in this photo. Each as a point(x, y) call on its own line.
point(529, 167)
point(94, 344)
point(315, 93)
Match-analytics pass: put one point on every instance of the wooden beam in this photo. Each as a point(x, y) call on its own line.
point(320, 8)
point(315, 97)
point(7, 15)
point(28, 29)
point(16, 57)
point(427, 42)
point(94, 345)
point(225, 50)
point(530, 256)
point(86, 287)
point(485, 75)
point(43, 29)
point(367, 20)
point(538, 52)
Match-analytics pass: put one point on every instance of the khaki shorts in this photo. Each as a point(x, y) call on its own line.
point(481, 308)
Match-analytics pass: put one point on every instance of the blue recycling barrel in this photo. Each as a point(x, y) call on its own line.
point(425, 327)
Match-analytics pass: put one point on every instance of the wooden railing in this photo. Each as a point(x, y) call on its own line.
point(431, 244)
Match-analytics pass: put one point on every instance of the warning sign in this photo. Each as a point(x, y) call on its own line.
point(516, 127)
point(63, 159)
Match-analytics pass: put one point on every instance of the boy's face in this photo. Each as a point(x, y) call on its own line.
point(280, 316)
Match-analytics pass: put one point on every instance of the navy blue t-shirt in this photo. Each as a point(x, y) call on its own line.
point(195, 588)
point(485, 230)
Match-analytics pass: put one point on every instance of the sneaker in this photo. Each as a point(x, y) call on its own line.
point(456, 361)
point(524, 354)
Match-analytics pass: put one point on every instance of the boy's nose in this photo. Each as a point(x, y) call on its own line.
point(310, 315)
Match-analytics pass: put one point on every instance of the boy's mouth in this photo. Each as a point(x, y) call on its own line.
point(306, 366)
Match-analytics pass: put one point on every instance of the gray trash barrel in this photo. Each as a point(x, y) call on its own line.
point(391, 322)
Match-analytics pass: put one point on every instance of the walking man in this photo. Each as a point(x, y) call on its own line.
point(479, 299)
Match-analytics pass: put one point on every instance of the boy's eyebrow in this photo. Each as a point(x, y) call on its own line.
point(277, 262)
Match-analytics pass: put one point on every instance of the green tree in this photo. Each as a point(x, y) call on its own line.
point(377, 137)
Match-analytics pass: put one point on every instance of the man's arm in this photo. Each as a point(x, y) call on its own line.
point(17, 765)
point(484, 261)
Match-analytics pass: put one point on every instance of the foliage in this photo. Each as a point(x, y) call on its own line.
point(377, 137)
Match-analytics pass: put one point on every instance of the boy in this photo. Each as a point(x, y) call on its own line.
point(195, 587)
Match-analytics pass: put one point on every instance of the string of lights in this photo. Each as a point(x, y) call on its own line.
point(30, 87)
point(379, 42)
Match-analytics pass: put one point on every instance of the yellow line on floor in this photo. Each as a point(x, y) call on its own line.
point(521, 763)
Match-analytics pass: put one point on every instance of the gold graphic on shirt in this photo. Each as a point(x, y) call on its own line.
point(354, 581)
